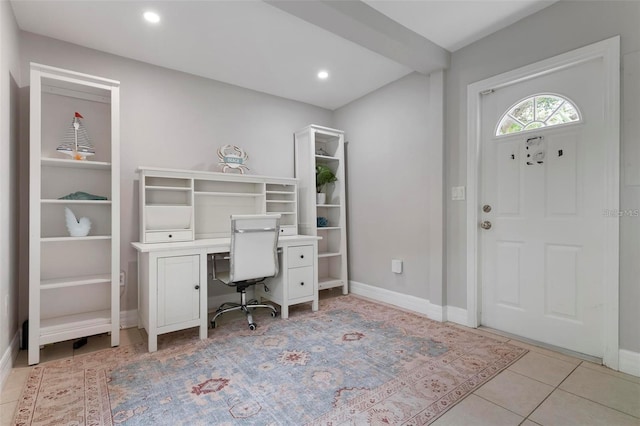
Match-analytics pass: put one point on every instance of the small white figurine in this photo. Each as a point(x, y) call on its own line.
point(77, 228)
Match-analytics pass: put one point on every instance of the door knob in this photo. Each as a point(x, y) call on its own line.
point(485, 225)
point(197, 287)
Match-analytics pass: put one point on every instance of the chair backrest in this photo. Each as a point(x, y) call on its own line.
point(254, 245)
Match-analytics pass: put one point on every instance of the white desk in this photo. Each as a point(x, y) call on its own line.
point(172, 282)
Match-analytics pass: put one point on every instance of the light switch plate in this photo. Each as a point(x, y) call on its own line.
point(457, 193)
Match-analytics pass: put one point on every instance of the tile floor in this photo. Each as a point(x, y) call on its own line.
point(542, 388)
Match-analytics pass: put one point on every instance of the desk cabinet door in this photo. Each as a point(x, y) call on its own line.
point(178, 289)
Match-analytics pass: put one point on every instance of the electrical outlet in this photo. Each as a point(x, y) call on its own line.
point(396, 266)
point(122, 278)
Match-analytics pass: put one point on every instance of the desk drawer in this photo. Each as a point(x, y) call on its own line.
point(288, 230)
point(167, 236)
point(298, 256)
point(300, 282)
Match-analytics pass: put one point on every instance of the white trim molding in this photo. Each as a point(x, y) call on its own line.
point(129, 319)
point(8, 358)
point(410, 303)
point(404, 301)
point(457, 315)
point(630, 362)
point(609, 52)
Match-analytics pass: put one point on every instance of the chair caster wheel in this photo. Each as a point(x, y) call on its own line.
point(274, 314)
point(252, 326)
point(213, 324)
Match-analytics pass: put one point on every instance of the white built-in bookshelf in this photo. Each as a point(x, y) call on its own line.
point(321, 145)
point(73, 281)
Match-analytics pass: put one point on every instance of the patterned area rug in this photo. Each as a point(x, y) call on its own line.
point(352, 362)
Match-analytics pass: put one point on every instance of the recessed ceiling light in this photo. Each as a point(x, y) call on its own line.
point(323, 75)
point(152, 17)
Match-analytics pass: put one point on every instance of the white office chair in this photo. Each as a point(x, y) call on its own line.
point(252, 259)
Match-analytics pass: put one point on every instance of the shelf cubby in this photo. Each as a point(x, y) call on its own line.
point(330, 272)
point(167, 182)
point(214, 186)
point(57, 182)
point(328, 143)
point(66, 327)
point(53, 217)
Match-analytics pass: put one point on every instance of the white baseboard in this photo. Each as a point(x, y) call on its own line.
point(411, 303)
point(129, 318)
point(8, 357)
point(457, 315)
point(629, 362)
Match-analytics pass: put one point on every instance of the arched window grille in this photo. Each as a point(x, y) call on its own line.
point(538, 111)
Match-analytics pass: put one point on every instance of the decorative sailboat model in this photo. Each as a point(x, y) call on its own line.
point(76, 142)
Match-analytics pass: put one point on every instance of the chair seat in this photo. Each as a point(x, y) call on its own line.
point(224, 277)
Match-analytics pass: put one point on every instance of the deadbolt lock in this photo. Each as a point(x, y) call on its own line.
point(486, 208)
point(485, 225)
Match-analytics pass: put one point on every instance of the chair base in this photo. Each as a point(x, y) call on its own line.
point(245, 307)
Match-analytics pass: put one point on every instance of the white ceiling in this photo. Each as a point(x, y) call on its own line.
point(453, 24)
point(261, 47)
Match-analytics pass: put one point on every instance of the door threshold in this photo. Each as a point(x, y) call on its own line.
point(564, 351)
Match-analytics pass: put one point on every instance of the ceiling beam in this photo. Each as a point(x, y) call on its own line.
point(356, 21)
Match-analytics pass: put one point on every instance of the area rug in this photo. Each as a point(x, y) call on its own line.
point(352, 362)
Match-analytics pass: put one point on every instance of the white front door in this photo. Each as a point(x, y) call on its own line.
point(541, 262)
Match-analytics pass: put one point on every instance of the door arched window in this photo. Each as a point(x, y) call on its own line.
point(538, 111)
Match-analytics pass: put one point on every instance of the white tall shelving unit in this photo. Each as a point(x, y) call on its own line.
point(322, 145)
point(73, 281)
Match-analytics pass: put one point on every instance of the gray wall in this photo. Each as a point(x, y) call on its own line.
point(564, 26)
point(176, 120)
point(392, 175)
point(9, 108)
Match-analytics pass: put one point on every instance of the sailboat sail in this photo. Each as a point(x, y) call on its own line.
point(76, 141)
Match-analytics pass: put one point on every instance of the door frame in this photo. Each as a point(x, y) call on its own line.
point(609, 51)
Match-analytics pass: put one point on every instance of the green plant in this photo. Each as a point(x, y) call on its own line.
point(324, 175)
